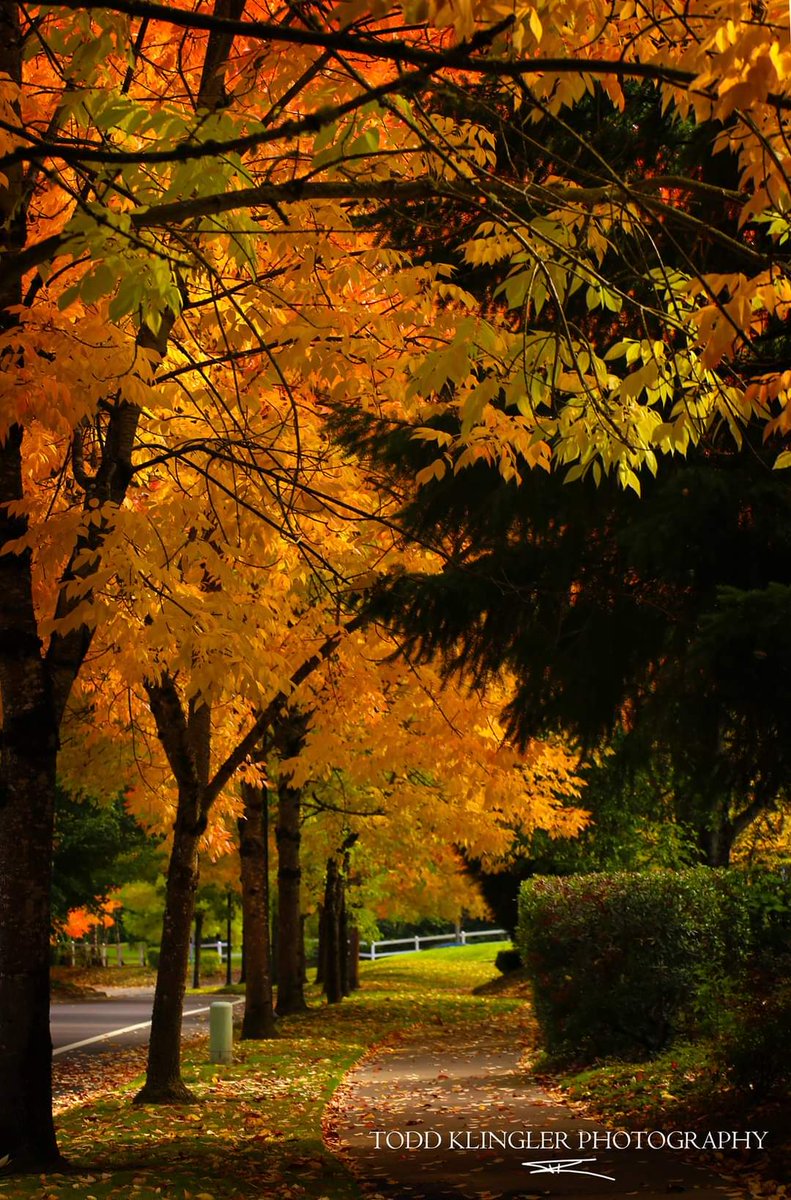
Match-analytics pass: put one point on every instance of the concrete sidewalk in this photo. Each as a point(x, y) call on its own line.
point(436, 1119)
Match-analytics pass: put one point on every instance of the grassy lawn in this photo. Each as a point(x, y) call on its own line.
point(257, 1131)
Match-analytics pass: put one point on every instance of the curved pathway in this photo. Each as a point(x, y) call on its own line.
point(432, 1117)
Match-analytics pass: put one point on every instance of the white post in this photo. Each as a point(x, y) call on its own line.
point(417, 943)
point(221, 1031)
point(219, 951)
point(373, 951)
point(72, 953)
point(463, 937)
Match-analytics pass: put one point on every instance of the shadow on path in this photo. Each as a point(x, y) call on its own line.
point(431, 1118)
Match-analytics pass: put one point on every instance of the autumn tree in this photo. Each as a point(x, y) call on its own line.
point(103, 299)
point(182, 194)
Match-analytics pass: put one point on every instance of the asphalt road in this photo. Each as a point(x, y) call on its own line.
point(95, 1026)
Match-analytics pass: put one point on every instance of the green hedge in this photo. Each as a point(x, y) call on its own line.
point(210, 962)
point(621, 962)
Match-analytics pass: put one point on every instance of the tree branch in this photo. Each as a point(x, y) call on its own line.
point(245, 747)
point(173, 729)
point(389, 191)
point(456, 58)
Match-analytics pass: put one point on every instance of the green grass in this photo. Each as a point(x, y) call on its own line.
point(256, 1132)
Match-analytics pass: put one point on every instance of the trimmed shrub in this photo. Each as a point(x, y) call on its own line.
point(507, 961)
point(620, 962)
point(754, 1047)
point(210, 963)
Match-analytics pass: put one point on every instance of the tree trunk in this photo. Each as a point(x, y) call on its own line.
point(198, 939)
point(27, 762)
point(715, 845)
point(27, 1131)
point(332, 962)
point(163, 1076)
point(290, 960)
point(343, 936)
point(321, 949)
point(258, 1021)
point(186, 740)
point(354, 958)
point(303, 964)
point(274, 938)
point(716, 832)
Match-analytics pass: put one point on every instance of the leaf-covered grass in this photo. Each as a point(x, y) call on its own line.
point(649, 1093)
point(72, 981)
point(684, 1088)
point(257, 1129)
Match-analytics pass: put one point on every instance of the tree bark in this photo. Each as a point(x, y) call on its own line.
point(258, 1020)
point(27, 761)
point(303, 964)
point(321, 949)
point(198, 939)
point(354, 958)
point(715, 845)
point(164, 1084)
point(187, 744)
point(332, 960)
point(27, 1131)
point(343, 935)
point(290, 959)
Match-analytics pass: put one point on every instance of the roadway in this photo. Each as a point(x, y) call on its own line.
point(96, 1026)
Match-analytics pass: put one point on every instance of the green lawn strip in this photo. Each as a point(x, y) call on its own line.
point(257, 1130)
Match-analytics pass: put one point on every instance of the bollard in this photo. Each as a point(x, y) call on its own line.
point(220, 1032)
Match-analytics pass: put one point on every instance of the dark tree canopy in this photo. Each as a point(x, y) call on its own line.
point(660, 619)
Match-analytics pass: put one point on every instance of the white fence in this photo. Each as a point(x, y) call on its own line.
point(410, 944)
point(219, 947)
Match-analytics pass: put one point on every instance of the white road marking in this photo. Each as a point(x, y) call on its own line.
point(100, 1037)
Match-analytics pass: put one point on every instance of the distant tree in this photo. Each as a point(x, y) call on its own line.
point(99, 847)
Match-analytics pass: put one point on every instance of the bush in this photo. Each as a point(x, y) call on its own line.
point(766, 897)
point(211, 963)
point(620, 962)
point(754, 1049)
point(508, 960)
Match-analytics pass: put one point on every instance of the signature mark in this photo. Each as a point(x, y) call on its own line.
point(564, 1166)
